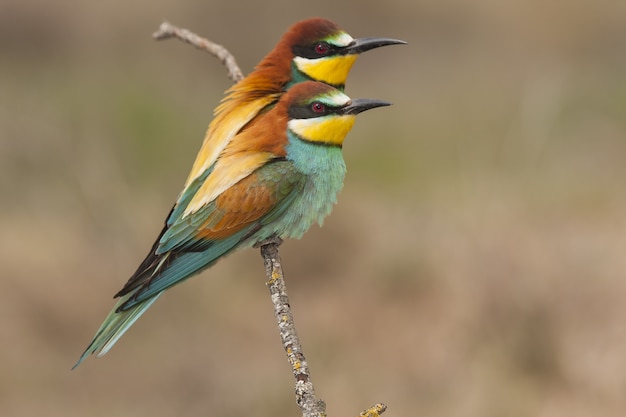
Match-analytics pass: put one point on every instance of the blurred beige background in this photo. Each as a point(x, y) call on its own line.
point(475, 264)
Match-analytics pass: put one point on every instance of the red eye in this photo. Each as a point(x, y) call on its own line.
point(318, 107)
point(321, 48)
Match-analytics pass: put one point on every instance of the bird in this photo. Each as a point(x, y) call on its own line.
point(276, 178)
point(313, 49)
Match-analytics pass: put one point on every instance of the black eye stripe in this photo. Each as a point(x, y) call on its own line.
point(311, 51)
point(306, 111)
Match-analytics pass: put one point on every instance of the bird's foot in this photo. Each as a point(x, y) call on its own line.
point(272, 240)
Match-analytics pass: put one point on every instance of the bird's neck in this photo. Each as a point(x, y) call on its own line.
point(325, 170)
point(314, 159)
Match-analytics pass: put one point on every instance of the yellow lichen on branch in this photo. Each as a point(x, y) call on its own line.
point(374, 411)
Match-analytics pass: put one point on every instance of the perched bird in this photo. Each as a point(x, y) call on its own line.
point(312, 49)
point(278, 176)
point(250, 176)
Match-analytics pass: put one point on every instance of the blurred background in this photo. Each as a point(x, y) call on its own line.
point(474, 266)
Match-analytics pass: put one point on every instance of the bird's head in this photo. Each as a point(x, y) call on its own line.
point(322, 51)
point(321, 114)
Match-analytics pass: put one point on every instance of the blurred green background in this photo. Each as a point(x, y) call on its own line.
point(474, 266)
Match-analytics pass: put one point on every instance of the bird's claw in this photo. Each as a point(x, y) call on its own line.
point(272, 240)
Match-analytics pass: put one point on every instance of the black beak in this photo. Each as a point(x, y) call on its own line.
point(359, 105)
point(365, 44)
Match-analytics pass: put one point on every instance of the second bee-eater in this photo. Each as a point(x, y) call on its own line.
point(275, 178)
point(313, 49)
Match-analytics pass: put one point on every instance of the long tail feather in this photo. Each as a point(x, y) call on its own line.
point(114, 326)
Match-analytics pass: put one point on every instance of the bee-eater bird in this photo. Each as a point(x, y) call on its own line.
point(275, 178)
point(313, 49)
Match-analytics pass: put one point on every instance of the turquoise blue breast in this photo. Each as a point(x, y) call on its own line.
point(325, 171)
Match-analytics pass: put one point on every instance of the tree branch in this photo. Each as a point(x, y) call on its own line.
point(167, 31)
point(305, 393)
point(309, 404)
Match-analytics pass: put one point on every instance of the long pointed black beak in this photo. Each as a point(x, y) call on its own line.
point(361, 45)
point(359, 105)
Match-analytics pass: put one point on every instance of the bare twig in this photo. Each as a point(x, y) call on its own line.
point(305, 393)
point(167, 30)
point(309, 404)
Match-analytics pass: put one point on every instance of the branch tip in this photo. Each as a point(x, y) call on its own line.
point(374, 411)
point(164, 32)
point(167, 30)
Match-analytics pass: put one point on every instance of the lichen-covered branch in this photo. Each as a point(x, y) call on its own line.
point(310, 405)
point(167, 31)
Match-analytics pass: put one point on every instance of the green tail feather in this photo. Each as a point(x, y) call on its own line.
point(114, 326)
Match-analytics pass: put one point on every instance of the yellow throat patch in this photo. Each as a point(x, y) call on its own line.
point(331, 70)
point(330, 130)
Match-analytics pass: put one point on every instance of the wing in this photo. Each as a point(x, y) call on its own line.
point(181, 221)
point(233, 209)
point(260, 143)
point(227, 200)
point(195, 241)
point(243, 102)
